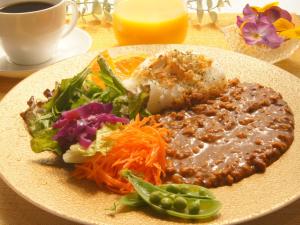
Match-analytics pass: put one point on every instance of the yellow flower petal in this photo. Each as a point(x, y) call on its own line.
point(292, 33)
point(283, 24)
point(266, 7)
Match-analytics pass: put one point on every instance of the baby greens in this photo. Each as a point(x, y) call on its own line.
point(179, 200)
point(77, 91)
point(124, 102)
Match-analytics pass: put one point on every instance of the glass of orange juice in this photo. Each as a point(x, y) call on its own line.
point(150, 21)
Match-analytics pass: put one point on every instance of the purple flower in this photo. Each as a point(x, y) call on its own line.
point(262, 32)
point(258, 24)
point(250, 15)
point(274, 13)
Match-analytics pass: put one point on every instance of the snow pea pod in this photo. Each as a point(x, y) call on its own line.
point(133, 200)
point(188, 190)
point(193, 203)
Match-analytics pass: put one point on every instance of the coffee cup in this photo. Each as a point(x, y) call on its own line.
point(29, 34)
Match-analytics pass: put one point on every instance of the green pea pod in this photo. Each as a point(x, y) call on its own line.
point(132, 200)
point(208, 207)
point(193, 191)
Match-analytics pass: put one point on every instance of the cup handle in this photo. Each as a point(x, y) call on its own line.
point(75, 15)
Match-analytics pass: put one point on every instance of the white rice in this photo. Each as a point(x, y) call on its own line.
point(163, 96)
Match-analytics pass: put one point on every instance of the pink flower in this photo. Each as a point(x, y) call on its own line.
point(274, 13)
point(257, 24)
point(261, 32)
point(250, 15)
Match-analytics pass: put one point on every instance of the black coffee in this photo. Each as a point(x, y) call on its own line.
point(22, 7)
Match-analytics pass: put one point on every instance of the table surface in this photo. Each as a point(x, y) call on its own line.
point(14, 210)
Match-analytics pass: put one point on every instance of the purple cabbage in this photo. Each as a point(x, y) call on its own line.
point(80, 125)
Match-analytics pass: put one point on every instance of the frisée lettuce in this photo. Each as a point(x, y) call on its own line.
point(78, 154)
point(73, 93)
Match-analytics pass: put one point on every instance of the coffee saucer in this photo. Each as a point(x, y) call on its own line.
point(77, 42)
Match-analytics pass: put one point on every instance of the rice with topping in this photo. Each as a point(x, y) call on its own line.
point(177, 79)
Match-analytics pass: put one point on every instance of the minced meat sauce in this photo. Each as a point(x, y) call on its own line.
point(226, 139)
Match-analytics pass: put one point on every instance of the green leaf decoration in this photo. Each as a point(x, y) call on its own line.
point(209, 4)
point(200, 11)
point(200, 14)
point(82, 11)
point(106, 6)
point(85, 2)
point(220, 4)
point(199, 5)
point(228, 2)
point(82, 14)
point(96, 8)
point(213, 16)
point(107, 17)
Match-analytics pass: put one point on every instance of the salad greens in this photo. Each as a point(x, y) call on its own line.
point(66, 94)
point(124, 102)
point(43, 141)
point(179, 200)
point(75, 92)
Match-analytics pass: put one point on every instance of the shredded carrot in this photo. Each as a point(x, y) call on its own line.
point(139, 146)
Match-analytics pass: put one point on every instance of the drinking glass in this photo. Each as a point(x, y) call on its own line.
point(150, 21)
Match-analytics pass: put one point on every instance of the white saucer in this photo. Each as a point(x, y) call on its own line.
point(77, 42)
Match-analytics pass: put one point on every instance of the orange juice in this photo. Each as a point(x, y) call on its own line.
point(150, 21)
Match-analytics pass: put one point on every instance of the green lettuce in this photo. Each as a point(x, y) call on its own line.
point(42, 141)
point(77, 91)
point(125, 103)
point(78, 154)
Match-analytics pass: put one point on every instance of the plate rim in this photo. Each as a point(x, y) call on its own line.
point(277, 207)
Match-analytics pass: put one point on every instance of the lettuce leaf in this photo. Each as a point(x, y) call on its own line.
point(125, 103)
point(78, 154)
point(43, 141)
point(66, 93)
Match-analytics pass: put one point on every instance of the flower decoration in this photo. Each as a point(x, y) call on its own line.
point(267, 26)
point(211, 8)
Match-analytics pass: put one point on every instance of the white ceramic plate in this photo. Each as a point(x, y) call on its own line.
point(43, 181)
point(76, 43)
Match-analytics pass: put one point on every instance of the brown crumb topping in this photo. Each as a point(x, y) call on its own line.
point(174, 66)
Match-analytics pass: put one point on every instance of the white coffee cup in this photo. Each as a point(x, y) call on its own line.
point(31, 38)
